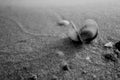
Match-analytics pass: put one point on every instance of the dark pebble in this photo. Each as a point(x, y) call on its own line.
point(25, 68)
point(118, 75)
point(54, 78)
point(32, 78)
point(60, 24)
point(83, 72)
point(117, 45)
point(65, 68)
point(109, 57)
point(22, 41)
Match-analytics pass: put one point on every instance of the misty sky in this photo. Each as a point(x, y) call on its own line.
point(48, 2)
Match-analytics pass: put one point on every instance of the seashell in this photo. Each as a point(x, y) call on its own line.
point(89, 31)
point(73, 33)
point(64, 23)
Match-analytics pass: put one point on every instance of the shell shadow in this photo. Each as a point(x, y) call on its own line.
point(68, 47)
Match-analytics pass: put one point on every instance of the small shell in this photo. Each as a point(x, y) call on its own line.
point(72, 34)
point(89, 31)
point(64, 23)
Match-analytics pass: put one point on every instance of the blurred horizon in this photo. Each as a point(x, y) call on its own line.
point(33, 3)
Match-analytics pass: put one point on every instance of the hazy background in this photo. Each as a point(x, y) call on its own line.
point(50, 2)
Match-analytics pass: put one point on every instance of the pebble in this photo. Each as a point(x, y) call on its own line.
point(88, 59)
point(117, 52)
point(109, 45)
point(54, 77)
point(60, 53)
point(64, 23)
point(117, 45)
point(65, 66)
point(109, 57)
point(118, 75)
point(34, 77)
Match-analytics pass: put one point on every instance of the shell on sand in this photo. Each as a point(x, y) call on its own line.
point(72, 34)
point(89, 31)
point(64, 23)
